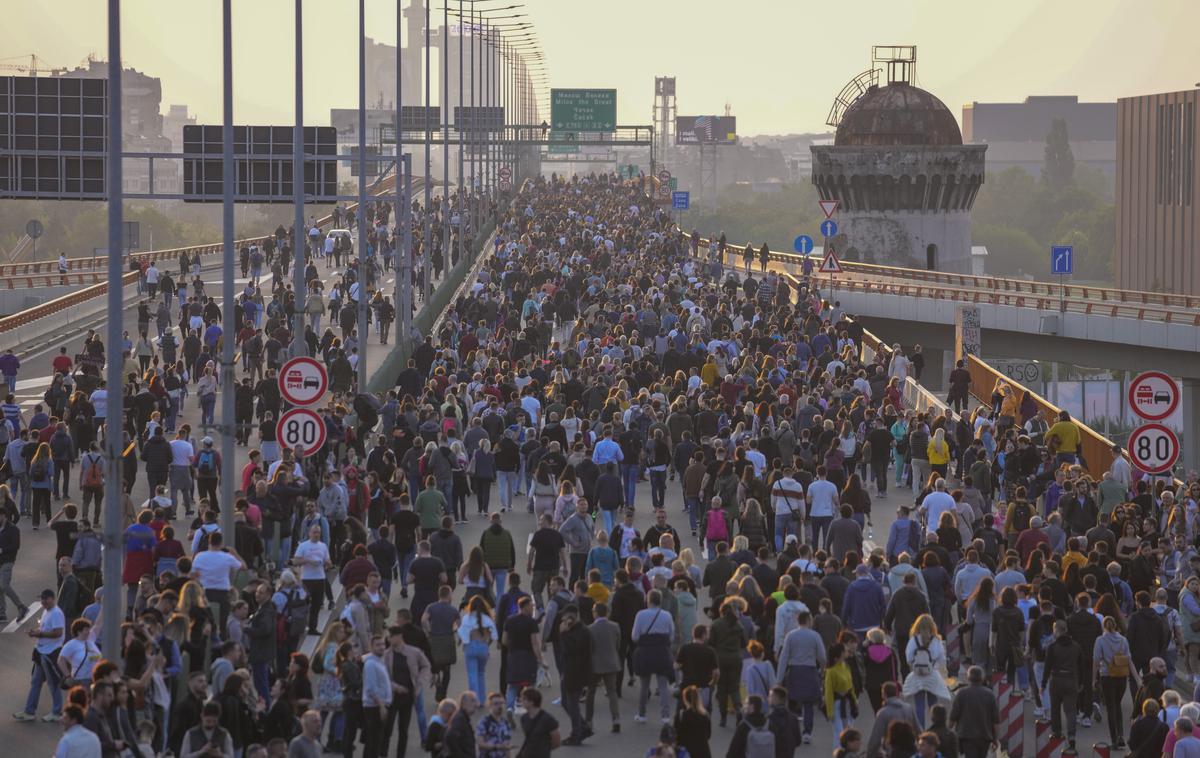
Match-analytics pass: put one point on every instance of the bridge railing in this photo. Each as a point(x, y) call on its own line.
point(1099, 301)
point(1095, 448)
point(100, 265)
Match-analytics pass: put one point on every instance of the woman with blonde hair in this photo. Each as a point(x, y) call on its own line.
point(41, 477)
point(926, 657)
point(689, 561)
point(938, 451)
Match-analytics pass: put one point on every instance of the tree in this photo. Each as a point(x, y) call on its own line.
point(1058, 172)
point(1010, 251)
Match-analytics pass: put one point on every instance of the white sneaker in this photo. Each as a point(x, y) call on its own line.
point(557, 701)
point(806, 739)
point(1085, 721)
point(640, 719)
point(666, 720)
point(1039, 712)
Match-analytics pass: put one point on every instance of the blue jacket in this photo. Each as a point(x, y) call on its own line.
point(864, 604)
point(900, 539)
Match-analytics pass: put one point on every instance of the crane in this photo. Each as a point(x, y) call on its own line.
point(36, 66)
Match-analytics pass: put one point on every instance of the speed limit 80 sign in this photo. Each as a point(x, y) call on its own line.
point(1154, 448)
point(301, 430)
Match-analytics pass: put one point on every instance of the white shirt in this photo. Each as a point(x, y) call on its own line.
point(312, 557)
point(758, 460)
point(213, 568)
point(182, 453)
point(936, 503)
point(75, 653)
point(52, 619)
point(794, 500)
point(824, 498)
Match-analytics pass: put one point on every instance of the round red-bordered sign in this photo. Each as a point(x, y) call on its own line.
point(1154, 448)
point(303, 381)
point(303, 428)
point(1153, 395)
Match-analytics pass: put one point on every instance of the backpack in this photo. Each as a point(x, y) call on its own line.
point(206, 465)
point(924, 668)
point(39, 471)
point(1022, 514)
point(93, 478)
point(204, 535)
point(717, 529)
point(760, 742)
point(293, 622)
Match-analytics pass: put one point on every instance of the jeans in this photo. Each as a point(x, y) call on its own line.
point(692, 506)
point(262, 681)
point(6, 590)
point(629, 475)
point(664, 694)
point(507, 481)
point(62, 480)
point(10, 380)
point(44, 673)
point(920, 473)
point(607, 516)
point(658, 488)
point(41, 504)
point(922, 702)
point(20, 481)
point(898, 459)
point(207, 403)
point(181, 481)
point(570, 704)
point(406, 560)
point(879, 471)
point(500, 578)
point(785, 525)
point(819, 527)
point(447, 490)
point(476, 654)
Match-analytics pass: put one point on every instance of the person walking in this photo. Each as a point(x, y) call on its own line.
point(1060, 677)
point(975, 716)
point(50, 635)
point(10, 545)
point(1113, 666)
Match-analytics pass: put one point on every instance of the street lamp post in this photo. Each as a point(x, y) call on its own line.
point(228, 327)
point(364, 324)
point(300, 234)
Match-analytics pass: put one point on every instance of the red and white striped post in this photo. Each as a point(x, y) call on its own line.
point(1101, 750)
point(1012, 717)
point(953, 651)
point(1045, 743)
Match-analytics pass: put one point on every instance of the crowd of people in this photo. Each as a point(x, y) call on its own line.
point(600, 349)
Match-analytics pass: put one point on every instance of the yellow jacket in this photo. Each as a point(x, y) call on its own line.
point(938, 456)
point(838, 682)
point(708, 373)
point(1011, 405)
point(1072, 558)
point(1068, 436)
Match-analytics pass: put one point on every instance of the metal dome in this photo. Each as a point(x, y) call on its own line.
point(897, 114)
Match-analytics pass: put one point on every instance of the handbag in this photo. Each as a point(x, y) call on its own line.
point(72, 681)
point(471, 464)
point(1119, 667)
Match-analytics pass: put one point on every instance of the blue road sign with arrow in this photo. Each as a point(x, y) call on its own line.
point(803, 244)
point(829, 228)
point(1062, 259)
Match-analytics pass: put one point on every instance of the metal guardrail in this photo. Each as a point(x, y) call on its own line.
point(101, 287)
point(1099, 301)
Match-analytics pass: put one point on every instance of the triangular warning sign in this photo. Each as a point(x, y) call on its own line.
point(828, 207)
point(830, 265)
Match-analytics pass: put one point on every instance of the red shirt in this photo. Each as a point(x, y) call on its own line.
point(63, 364)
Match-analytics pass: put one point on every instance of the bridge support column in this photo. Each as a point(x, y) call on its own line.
point(1191, 423)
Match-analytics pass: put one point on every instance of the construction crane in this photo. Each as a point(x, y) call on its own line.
point(33, 69)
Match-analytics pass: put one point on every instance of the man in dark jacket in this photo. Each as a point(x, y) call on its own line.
point(459, 740)
point(1147, 632)
point(576, 671)
point(627, 600)
point(1148, 733)
point(1061, 672)
point(261, 632)
point(905, 605)
point(157, 455)
point(782, 723)
point(62, 452)
point(1084, 628)
point(974, 716)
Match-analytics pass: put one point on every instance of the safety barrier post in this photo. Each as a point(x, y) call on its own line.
point(1046, 745)
point(1012, 717)
point(1101, 750)
point(953, 651)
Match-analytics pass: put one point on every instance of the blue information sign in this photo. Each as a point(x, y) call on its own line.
point(829, 228)
point(1062, 259)
point(681, 200)
point(803, 244)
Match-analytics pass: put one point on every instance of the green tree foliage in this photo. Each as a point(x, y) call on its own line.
point(1014, 201)
point(1059, 169)
point(776, 218)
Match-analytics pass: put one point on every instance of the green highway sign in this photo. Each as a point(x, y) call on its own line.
point(592, 110)
point(674, 183)
point(563, 142)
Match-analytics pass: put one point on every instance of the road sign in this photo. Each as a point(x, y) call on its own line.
point(674, 183)
point(828, 207)
point(301, 428)
point(831, 264)
point(34, 228)
point(504, 172)
point(664, 191)
point(664, 176)
point(1062, 259)
point(829, 228)
point(583, 110)
point(803, 244)
point(1154, 448)
point(681, 200)
point(303, 381)
point(1153, 395)
point(505, 185)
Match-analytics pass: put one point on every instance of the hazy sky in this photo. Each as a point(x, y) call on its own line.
point(778, 63)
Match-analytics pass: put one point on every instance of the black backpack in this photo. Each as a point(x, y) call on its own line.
point(1022, 514)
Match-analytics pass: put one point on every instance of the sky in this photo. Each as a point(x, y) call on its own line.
point(777, 63)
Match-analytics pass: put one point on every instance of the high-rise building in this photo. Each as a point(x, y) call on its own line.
point(1157, 208)
point(1015, 133)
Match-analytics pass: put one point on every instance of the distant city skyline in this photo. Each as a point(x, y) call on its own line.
point(779, 65)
